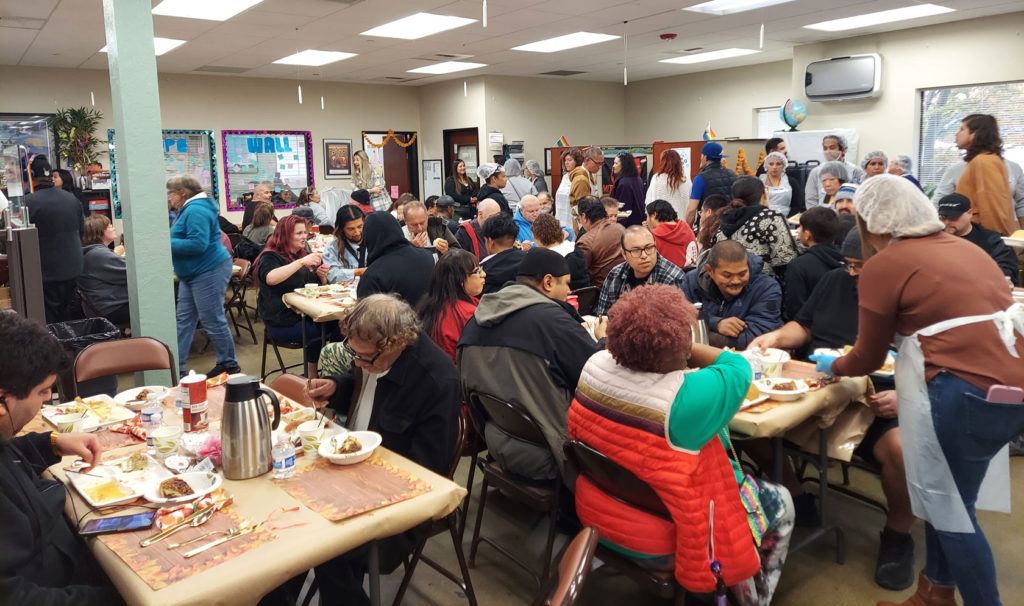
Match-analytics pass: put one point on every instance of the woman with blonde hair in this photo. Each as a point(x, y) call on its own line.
point(669, 183)
point(364, 177)
point(957, 355)
point(203, 267)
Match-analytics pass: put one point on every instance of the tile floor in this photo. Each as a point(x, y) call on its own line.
point(811, 577)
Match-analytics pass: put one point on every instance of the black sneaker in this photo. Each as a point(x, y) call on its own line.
point(806, 511)
point(894, 569)
point(231, 369)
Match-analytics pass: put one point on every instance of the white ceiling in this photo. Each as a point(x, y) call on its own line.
point(69, 33)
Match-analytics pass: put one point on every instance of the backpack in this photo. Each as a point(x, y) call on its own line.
point(247, 249)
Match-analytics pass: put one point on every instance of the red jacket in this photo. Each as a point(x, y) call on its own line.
point(449, 327)
point(676, 243)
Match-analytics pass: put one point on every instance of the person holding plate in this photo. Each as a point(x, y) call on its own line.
point(42, 561)
point(959, 360)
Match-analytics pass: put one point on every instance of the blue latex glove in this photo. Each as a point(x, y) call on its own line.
point(823, 363)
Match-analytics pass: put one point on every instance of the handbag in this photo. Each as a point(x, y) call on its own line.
point(749, 491)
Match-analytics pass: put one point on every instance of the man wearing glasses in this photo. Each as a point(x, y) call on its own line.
point(643, 265)
point(582, 180)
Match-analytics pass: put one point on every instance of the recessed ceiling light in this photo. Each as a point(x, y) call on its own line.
point(219, 10)
point(711, 56)
point(896, 14)
point(314, 58)
point(160, 45)
point(446, 67)
point(418, 26)
point(553, 45)
point(728, 7)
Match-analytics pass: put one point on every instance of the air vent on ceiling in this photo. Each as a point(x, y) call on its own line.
point(690, 50)
point(397, 79)
point(22, 22)
point(443, 57)
point(221, 69)
point(561, 72)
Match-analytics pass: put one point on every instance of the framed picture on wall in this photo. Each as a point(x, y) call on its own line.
point(186, 152)
point(280, 159)
point(337, 158)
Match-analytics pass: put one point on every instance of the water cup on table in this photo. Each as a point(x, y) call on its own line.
point(773, 360)
point(311, 433)
point(70, 422)
point(166, 440)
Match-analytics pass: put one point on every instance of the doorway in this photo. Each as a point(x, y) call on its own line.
point(400, 163)
point(461, 144)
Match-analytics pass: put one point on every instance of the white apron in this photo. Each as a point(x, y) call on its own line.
point(933, 492)
point(562, 210)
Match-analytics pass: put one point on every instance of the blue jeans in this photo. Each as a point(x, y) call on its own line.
point(201, 299)
point(971, 430)
point(294, 333)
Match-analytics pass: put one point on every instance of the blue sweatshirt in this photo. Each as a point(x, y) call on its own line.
point(195, 239)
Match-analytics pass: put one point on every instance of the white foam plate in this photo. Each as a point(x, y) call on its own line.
point(765, 386)
point(202, 482)
point(129, 397)
point(133, 481)
point(91, 421)
point(369, 439)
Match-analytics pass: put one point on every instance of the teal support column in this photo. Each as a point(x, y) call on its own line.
point(140, 169)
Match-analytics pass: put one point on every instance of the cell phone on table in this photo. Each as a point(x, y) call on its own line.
point(1005, 394)
point(136, 521)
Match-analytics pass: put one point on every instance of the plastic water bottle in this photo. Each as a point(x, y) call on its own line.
point(178, 400)
point(152, 418)
point(283, 454)
point(756, 366)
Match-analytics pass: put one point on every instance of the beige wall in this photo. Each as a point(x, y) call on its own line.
point(205, 102)
point(538, 111)
point(678, 108)
point(446, 105)
point(968, 52)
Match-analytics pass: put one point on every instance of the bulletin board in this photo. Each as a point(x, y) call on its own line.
point(186, 152)
point(275, 157)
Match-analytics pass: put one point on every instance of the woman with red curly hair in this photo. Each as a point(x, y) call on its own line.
point(283, 266)
point(659, 405)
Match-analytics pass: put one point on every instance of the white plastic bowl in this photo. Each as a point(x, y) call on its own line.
point(765, 386)
point(369, 439)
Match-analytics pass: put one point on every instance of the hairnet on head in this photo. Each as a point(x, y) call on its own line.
point(781, 157)
point(512, 168)
point(889, 204)
point(838, 170)
point(534, 167)
point(875, 154)
point(906, 164)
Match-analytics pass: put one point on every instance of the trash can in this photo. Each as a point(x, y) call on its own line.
point(75, 336)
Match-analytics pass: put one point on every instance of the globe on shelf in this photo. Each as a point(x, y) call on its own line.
point(792, 113)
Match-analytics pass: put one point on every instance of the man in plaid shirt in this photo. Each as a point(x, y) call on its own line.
point(643, 266)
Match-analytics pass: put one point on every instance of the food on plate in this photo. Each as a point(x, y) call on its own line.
point(784, 385)
point(349, 446)
point(753, 393)
point(172, 488)
point(889, 365)
point(136, 462)
point(437, 241)
point(111, 490)
point(142, 395)
point(96, 406)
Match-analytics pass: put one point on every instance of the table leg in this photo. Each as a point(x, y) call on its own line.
point(302, 325)
point(823, 528)
point(778, 459)
point(374, 573)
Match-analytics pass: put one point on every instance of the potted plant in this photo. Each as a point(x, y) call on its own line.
point(74, 130)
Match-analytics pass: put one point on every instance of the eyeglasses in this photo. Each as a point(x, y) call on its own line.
point(650, 250)
point(479, 271)
point(348, 348)
point(593, 160)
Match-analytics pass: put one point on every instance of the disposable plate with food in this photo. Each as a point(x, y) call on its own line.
point(135, 398)
point(118, 480)
point(99, 411)
point(781, 389)
point(183, 488)
point(336, 448)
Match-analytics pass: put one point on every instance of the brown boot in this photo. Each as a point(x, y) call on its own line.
point(927, 594)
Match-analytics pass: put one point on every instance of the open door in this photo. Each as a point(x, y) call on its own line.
point(461, 144)
point(400, 163)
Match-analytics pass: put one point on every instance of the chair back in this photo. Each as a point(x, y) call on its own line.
point(5, 274)
point(509, 418)
point(586, 298)
point(246, 265)
point(290, 386)
point(124, 355)
point(234, 238)
point(614, 479)
point(574, 567)
point(460, 442)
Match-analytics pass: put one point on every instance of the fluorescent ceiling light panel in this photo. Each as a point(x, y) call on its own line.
point(897, 14)
point(726, 53)
point(314, 58)
point(561, 43)
point(210, 10)
point(446, 67)
point(728, 7)
point(160, 45)
point(418, 26)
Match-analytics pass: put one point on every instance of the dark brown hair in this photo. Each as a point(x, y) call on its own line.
point(986, 136)
point(95, 226)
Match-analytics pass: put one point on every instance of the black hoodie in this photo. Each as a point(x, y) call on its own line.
point(393, 264)
point(804, 272)
point(486, 191)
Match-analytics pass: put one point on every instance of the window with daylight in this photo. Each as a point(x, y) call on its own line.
point(942, 109)
point(769, 122)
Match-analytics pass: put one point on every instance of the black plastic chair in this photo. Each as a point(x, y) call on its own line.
point(586, 298)
point(517, 423)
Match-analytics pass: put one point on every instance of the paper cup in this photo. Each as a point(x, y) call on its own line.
point(194, 387)
point(70, 422)
point(311, 433)
point(773, 360)
point(166, 440)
